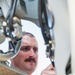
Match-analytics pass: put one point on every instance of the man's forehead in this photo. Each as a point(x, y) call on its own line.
point(29, 40)
point(26, 37)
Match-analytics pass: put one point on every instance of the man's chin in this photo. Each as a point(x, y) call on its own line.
point(30, 65)
point(31, 68)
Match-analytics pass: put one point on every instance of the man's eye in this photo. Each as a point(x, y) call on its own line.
point(35, 49)
point(25, 48)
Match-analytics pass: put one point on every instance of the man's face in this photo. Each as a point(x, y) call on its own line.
point(27, 57)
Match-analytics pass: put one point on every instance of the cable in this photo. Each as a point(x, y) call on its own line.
point(11, 15)
point(45, 29)
point(9, 12)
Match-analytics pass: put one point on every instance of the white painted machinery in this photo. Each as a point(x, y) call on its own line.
point(56, 20)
